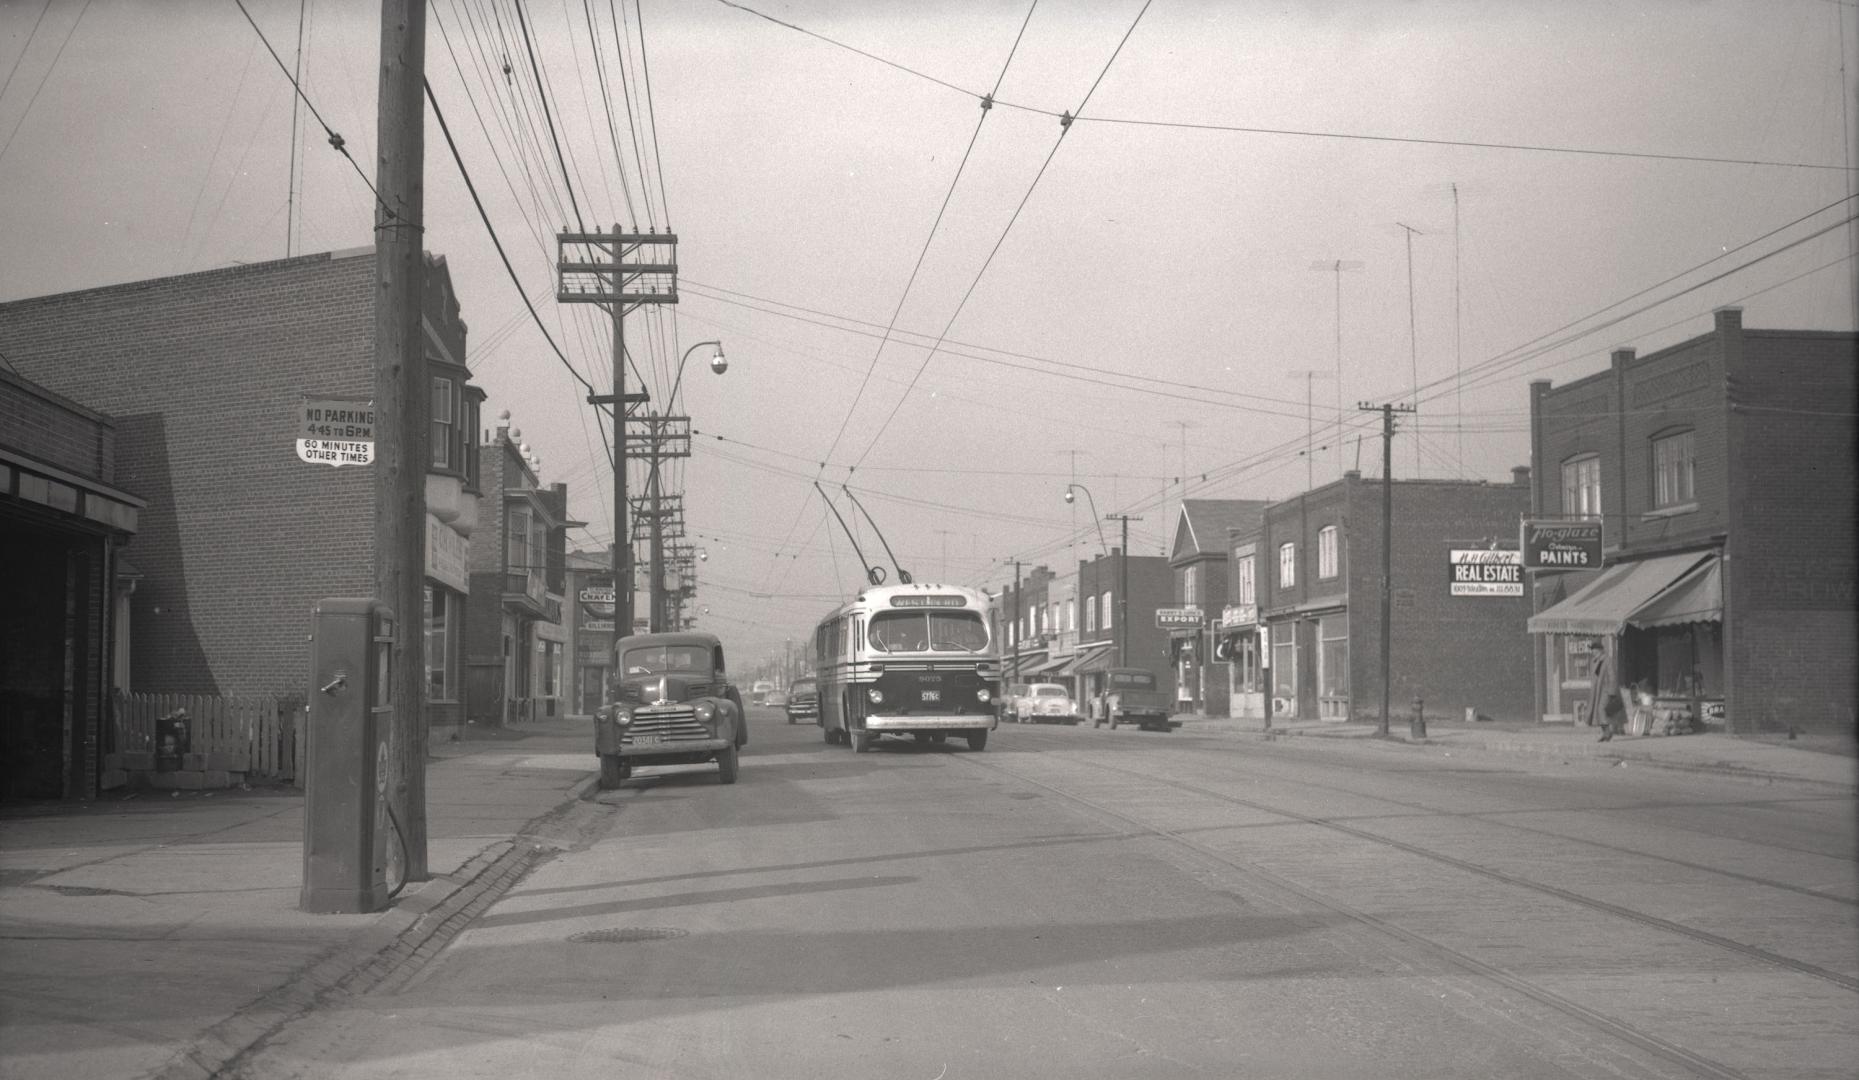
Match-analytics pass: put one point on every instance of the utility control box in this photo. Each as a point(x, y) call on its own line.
point(346, 820)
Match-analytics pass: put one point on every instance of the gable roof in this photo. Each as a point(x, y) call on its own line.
point(1202, 527)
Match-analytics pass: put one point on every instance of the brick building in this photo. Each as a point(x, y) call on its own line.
point(63, 593)
point(1199, 562)
point(1722, 471)
point(515, 641)
point(1108, 636)
point(1318, 587)
point(206, 376)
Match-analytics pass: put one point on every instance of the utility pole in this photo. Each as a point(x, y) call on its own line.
point(1016, 622)
point(1387, 411)
point(1123, 591)
point(637, 268)
point(400, 392)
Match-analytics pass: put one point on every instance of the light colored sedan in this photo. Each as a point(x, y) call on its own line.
point(1046, 703)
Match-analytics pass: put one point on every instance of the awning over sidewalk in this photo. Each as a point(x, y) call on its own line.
point(1048, 667)
point(1095, 656)
point(1019, 667)
point(1696, 597)
point(1611, 600)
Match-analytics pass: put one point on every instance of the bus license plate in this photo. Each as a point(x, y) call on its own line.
point(932, 695)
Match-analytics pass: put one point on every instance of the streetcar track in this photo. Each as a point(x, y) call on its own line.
point(1644, 1040)
point(1495, 817)
point(1617, 910)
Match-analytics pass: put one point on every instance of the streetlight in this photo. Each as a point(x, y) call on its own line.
point(1069, 497)
point(718, 364)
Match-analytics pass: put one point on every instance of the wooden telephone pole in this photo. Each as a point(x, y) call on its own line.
point(1123, 591)
point(1387, 411)
point(400, 392)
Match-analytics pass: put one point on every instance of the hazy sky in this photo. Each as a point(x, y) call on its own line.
point(1129, 304)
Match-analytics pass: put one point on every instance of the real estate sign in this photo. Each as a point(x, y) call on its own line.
point(1482, 572)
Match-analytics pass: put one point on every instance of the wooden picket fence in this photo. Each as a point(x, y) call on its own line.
point(266, 733)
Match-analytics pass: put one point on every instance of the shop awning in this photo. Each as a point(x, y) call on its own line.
point(1607, 603)
point(1696, 597)
point(1048, 667)
point(1095, 656)
point(1019, 667)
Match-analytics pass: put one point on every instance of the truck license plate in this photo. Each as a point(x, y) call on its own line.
point(932, 695)
point(647, 740)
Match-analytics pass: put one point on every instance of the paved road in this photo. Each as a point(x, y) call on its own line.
point(1080, 903)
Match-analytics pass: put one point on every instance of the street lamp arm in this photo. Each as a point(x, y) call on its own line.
point(671, 399)
point(1094, 514)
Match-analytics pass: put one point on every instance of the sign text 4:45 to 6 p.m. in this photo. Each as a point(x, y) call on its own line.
point(334, 431)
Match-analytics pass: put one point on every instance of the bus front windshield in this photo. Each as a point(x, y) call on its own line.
point(928, 631)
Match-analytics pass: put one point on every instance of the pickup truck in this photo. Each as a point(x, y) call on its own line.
point(1130, 696)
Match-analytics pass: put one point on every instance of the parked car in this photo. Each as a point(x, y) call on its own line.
point(775, 699)
point(1130, 696)
point(803, 701)
point(1046, 703)
point(1007, 706)
point(672, 704)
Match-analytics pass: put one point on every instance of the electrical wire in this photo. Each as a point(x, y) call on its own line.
point(53, 66)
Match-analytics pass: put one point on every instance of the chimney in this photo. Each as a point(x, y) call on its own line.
point(1728, 318)
point(1520, 475)
point(1352, 474)
point(1623, 356)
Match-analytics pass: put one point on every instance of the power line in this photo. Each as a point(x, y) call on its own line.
point(43, 78)
point(1295, 132)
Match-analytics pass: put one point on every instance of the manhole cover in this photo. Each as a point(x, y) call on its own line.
point(627, 934)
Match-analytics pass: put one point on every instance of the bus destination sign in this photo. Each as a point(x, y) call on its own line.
point(927, 600)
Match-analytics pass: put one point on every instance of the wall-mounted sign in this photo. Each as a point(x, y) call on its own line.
point(1561, 545)
point(1178, 617)
point(1479, 572)
point(332, 431)
point(448, 555)
point(1235, 616)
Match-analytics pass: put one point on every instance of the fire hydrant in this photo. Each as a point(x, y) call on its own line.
point(1417, 725)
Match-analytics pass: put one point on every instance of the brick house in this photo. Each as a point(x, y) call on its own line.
point(65, 591)
point(1108, 636)
point(1199, 562)
point(1318, 586)
point(1722, 471)
point(516, 641)
point(206, 375)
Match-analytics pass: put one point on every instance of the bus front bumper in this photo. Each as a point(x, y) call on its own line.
point(933, 722)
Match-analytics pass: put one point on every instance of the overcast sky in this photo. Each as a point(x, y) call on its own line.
point(1129, 300)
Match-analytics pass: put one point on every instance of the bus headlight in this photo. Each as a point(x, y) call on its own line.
point(875, 696)
point(983, 696)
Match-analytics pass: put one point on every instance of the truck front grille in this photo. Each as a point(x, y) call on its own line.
point(665, 725)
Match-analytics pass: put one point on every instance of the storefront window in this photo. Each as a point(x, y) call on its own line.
point(442, 615)
point(1333, 661)
point(1284, 667)
point(1245, 655)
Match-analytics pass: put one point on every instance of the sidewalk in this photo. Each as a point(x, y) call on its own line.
point(1816, 759)
point(158, 934)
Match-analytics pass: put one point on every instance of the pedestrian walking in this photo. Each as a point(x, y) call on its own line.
point(1604, 706)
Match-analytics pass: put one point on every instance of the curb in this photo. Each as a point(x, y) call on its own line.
point(388, 952)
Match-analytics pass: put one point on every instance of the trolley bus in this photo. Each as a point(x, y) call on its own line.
point(911, 660)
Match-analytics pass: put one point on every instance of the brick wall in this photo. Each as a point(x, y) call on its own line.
point(1789, 578)
point(47, 426)
point(205, 374)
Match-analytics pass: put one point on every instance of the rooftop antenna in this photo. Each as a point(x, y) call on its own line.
point(1337, 266)
point(873, 574)
point(1413, 340)
point(903, 575)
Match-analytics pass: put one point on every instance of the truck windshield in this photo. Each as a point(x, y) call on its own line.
point(1049, 691)
point(928, 631)
point(666, 660)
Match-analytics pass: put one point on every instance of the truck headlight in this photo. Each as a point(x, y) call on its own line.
point(619, 715)
point(983, 696)
point(875, 696)
point(705, 711)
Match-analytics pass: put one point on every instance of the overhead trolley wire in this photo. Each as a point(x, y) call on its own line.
point(1296, 132)
point(1064, 127)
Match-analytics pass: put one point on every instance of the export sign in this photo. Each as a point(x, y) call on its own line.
point(1178, 617)
point(1481, 572)
point(1561, 545)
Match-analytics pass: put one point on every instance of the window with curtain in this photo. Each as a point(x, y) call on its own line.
point(1190, 585)
point(1071, 614)
point(1287, 565)
point(1581, 486)
point(1105, 614)
point(444, 422)
point(1326, 552)
point(1090, 614)
point(1674, 469)
point(1248, 586)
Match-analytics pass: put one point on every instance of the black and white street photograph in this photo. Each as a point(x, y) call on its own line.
point(929, 539)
